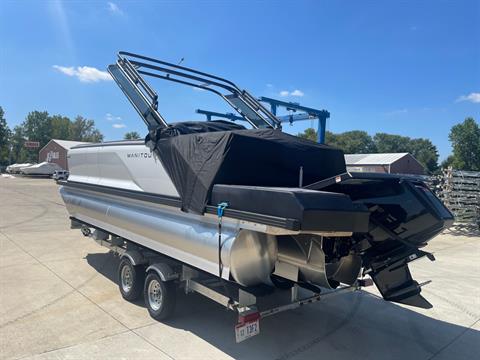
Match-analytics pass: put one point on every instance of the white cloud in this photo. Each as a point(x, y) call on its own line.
point(270, 85)
point(296, 92)
point(84, 73)
point(70, 71)
point(110, 117)
point(119, 126)
point(114, 9)
point(472, 97)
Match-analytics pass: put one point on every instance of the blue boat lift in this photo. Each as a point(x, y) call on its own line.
point(305, 113)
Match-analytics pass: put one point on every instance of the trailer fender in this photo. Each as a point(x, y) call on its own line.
point(163, 270)
point(135, 257)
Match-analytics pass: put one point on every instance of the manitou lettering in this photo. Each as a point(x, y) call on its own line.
point(144, 155)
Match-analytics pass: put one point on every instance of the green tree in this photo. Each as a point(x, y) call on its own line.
point(465, 140)
point(447, 162)
point(388, 143)
point(425, 152)
point(60, 127)
point(37, 127)
point(309, 134)
point(132, 135)
point(330, 138)
point(19, 153)
point(83, 129)
point(5, 135)
point(353, 142)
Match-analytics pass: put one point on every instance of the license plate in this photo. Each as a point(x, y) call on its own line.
point(247, 330)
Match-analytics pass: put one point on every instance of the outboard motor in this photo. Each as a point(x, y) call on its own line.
point(404, 216)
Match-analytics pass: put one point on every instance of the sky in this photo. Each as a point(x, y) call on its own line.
point(402, 67)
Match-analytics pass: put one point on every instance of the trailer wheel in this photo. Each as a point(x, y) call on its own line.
point(159, 296)
point(130, 279)
point(86, 231)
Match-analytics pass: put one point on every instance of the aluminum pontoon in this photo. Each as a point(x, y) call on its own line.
point(235, 213)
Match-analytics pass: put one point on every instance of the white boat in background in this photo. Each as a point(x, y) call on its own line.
point(44, 168)
point(15, 168)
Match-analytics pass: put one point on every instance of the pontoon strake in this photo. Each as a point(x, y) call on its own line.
point(251, 206)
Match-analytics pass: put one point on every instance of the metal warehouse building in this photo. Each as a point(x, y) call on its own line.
point(392, 163)
point(56, 151)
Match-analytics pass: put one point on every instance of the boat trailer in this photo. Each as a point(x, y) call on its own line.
point(230, 295)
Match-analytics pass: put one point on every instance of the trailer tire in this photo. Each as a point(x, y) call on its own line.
point(130, 279)
point(160, 296)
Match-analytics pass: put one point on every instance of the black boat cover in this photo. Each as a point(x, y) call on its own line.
point(192, 127)
point(261, 157)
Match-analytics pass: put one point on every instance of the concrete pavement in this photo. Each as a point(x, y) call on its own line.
point(59, 300)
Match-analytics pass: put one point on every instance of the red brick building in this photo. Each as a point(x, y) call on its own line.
point(56, 152)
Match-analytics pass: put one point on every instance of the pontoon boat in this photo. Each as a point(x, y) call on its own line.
point(214, 205)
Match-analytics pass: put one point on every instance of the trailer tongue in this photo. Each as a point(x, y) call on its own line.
point(237, 214)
